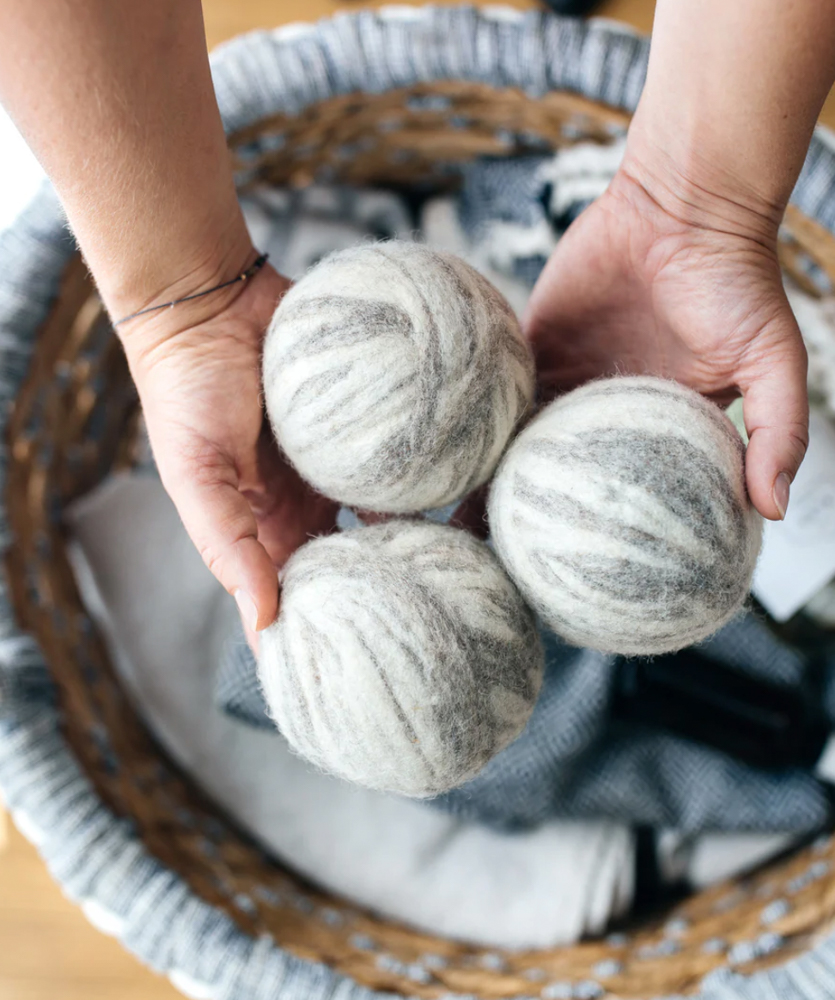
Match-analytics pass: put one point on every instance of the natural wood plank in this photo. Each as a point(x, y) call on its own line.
point(24, 989)
point(638, 13)
point(225, 19)
point(48, 951)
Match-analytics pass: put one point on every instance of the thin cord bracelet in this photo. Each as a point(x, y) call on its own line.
point(250, 272)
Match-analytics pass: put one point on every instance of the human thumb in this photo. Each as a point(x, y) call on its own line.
point(776, 410)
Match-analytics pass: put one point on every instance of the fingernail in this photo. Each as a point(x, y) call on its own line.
point(246, 606)
point(782, 485)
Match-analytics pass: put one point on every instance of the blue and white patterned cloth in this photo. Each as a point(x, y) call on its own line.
point(513, 211)
point(573, 760)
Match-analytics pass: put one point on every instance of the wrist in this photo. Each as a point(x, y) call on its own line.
point(226, 324)
point(694, 176)
point(196, 290)
point(187, 256)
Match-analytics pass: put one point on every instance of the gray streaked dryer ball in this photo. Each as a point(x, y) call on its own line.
point(403, 658)
point(621, 513)
point(394, 377)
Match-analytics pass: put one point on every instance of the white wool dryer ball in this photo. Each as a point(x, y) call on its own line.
point(394, 377)
point(621, 513)
point(402, 659)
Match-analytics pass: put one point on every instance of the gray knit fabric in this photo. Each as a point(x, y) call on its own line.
point(573, 762)
point(98, 858)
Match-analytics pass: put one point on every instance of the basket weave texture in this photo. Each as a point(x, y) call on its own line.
point(392, 97)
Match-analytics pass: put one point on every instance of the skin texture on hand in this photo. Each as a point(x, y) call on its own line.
point(674, 271)
point(244, 507)
point(117, 102)
point(631, 289)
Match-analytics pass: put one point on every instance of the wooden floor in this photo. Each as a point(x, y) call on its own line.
point(225, 18)
point(47, 949)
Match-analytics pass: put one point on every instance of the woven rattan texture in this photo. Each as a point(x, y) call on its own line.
point(74, 421)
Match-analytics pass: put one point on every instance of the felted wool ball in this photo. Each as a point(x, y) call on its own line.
point(394, 377)
point(402, 659)
point(621, 513)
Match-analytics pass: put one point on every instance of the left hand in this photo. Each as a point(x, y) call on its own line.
point(243, 505)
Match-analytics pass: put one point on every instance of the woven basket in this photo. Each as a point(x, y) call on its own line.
point(392, 97)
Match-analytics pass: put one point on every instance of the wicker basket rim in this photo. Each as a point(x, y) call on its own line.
point(56, 401)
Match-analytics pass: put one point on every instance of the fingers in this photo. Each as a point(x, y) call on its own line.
point(288, 511)
point(776, 408)
point(222, 525)
point(251, 637)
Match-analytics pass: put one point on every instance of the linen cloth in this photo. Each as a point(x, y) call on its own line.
point(432, 870)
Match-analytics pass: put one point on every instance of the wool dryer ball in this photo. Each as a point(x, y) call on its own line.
point(394, 377)
point(622, 515)
point(402, 659)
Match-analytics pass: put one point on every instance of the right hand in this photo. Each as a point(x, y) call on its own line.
point(644, 282)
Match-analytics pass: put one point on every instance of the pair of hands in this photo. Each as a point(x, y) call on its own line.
point(633, 287)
